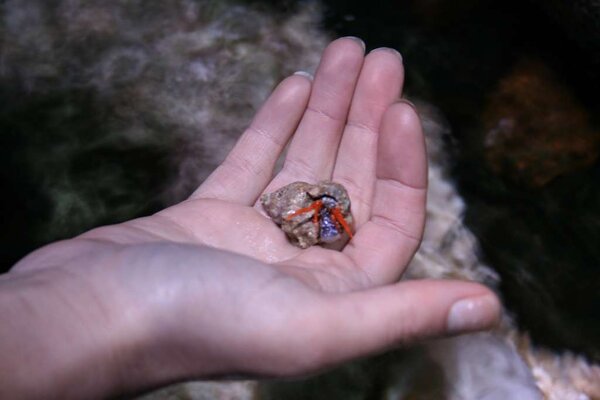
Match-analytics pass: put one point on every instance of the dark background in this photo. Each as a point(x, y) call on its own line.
point(534, 198)
point(522, 72)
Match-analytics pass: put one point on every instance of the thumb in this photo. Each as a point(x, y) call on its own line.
point(369, 321)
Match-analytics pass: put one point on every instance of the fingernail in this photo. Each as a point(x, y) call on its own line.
point(356, 39)
point(409, 103)
point(473, 314)
point(389, 49)
point(304, 74)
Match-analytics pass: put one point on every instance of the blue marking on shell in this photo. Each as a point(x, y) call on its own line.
point(328, 228)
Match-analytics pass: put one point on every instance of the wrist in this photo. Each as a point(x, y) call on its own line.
point(60, 337)
point(181, 333)
point(109, 320)
point(161, 326)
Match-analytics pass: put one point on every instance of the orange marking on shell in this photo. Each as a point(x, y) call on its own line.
point(316, 207)
point(339, 217)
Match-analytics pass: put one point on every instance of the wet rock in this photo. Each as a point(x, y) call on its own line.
point(536, 128)
point(283, 205)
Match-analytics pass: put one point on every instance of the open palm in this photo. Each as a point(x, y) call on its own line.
point(216, 284)
point(348, 127)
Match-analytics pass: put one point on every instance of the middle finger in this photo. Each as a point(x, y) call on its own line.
point(312, 152)
point(379, 85)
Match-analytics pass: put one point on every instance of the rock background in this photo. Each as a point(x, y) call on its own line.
point(111, 110)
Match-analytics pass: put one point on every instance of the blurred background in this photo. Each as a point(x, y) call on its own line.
point(94, 129)
point(518, 82)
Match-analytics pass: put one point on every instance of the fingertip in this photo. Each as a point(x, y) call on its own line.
point(452, 307)
point(352, 39)
point(406, 102)
point(449, 307)
point(383, 71)
point(343, 54)
point(293, 91)
point(404, 116)
point(387, 50)
point(473, 313)
point(377, 319)
point(305, 74)
point(299, 83)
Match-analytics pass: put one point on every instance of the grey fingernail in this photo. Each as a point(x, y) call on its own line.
point(391, 50)
point(304, 74)
point(472, 314)
point(357, 39)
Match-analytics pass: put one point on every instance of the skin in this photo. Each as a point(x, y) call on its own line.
point(211, 287)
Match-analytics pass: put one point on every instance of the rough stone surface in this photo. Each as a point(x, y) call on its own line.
point(301, 229)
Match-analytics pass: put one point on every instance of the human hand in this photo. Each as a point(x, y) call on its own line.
point(212, 286)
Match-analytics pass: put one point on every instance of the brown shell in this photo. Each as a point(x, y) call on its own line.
point(301, 230)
